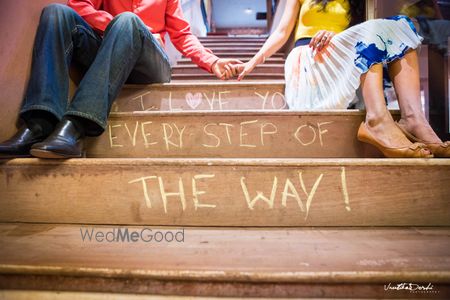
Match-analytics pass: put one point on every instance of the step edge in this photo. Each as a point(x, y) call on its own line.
point(244, 162)
point(239, 276)
point(262, 113)
point(276, 82)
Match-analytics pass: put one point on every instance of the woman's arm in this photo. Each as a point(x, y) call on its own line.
point(276, 40)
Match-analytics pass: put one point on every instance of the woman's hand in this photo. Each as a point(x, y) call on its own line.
point(321, 40)
point(244, 69)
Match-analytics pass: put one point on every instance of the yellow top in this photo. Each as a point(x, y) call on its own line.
point(313, 18)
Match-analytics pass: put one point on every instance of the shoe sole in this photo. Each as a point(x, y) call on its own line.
point(49, 154)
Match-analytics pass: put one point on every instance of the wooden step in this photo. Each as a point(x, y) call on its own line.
point(223, 95)
point(232, 192)
point(245, 134)
point(58, 295)
point(244, 48)
point(207, 76)
point(226, 50)
point(225, 54)
point(323, 263)
point(232, 44)
point(261, 69)
point(270, 60)
point(231, 40)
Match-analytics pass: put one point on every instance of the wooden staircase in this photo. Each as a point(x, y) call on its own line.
point(208, 188)
point(240, 48)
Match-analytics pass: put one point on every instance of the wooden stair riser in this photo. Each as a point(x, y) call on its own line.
point(247, 50)
point(270, 60)
point(195, 97)
point(227, 41)
point(227, 193)
point(233, 45)
point(228, 134)
point(231, 40)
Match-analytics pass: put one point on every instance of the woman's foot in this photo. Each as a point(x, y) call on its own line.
point(382, 132)
point(421, 131)
point(420, 128)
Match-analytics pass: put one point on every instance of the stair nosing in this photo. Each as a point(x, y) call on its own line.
point(254, 162)
point(239, 276)
point(207, 84)
point(279, 112)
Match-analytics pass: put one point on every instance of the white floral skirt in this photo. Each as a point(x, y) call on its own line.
point(329, 79)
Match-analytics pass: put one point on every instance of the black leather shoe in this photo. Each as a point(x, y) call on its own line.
point(65, 142)
point(20, 144)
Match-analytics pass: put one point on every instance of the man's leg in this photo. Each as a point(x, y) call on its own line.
point(62, 35)
point(127, 47)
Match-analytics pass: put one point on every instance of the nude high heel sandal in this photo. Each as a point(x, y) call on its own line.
point(416, 150)
point(438, 149)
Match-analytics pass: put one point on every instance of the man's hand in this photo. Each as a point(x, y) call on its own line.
point(223, 69)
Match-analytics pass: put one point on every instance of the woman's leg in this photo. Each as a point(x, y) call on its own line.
point(404, 73)
point(378, 119)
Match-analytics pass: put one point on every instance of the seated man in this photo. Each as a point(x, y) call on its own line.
point(113, 42)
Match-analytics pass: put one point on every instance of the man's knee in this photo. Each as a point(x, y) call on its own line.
point(56, 9)
point(126, 18)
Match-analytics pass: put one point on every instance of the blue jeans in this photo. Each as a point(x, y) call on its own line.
point(127, 52)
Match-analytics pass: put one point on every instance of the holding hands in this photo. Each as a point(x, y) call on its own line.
point(232, 67)
point(224, 68)
point(228, 68)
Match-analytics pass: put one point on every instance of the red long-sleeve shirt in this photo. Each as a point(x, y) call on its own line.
point(160, 16)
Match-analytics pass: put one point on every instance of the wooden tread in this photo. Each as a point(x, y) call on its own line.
point(226, 262)
point(231, 192)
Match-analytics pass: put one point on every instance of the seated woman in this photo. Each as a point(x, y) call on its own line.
point(331, 61)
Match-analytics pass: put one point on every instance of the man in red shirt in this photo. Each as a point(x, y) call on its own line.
point(112, 42)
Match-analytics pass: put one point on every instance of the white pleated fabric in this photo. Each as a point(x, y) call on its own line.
point(329, 79)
